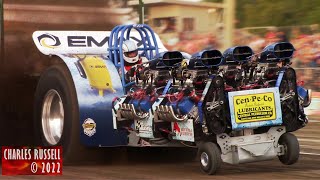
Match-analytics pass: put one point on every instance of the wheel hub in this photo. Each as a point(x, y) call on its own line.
point(52, 117)
point(204, 158)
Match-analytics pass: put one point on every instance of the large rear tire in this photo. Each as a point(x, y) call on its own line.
point(56, 112)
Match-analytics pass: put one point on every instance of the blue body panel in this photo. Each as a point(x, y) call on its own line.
point(97, 108)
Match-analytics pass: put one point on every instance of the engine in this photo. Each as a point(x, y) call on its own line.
point(172, 91)
point(244, 70)
point(152, 80)
point(241, 69)
point(274, 71)
point(234, 71)
point(189, 81)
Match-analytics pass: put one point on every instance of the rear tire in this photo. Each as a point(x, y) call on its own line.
point(56, 97)
point(209, 157)
point(291, 149)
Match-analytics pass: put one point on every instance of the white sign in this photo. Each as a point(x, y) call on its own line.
point(184, 130)
point(80, 42)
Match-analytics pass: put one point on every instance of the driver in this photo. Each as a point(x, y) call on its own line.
point(131, 58)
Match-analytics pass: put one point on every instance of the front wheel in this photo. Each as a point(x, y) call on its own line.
point(209, 157)
point(291, 149)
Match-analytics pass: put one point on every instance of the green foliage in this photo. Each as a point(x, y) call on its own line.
point(276, 12)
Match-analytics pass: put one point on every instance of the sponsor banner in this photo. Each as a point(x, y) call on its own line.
point(80, 42)
point(32, 161)
point(183, 130)
point(144, 128)
point(255, 108)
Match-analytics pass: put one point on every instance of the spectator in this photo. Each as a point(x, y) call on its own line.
point(282, 37)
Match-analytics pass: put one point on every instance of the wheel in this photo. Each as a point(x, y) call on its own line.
point(291, 149)
point(56, 112)
point(209, 157)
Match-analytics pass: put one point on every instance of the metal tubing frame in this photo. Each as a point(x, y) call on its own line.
point(115, 45)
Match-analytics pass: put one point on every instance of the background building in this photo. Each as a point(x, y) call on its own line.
point(172, 18)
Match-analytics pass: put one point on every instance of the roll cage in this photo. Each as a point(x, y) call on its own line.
point(148, 47)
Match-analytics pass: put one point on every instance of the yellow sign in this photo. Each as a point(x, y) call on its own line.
point(254, 107)
point(97, 73)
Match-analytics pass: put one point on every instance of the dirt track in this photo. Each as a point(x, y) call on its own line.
point(307, 168)
point(158, 165)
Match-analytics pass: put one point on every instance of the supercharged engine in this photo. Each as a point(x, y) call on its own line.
point(186, 98)
point(190, 80)
point(168, 93)
point(152, 80)
point(274, 70)
point(230, 76)
point(244, 70)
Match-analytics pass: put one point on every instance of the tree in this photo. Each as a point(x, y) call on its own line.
point(276, 12)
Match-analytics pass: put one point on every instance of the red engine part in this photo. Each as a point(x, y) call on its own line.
point(175, 97)
point(138, 94)
point(194, 97)
point(141, 94)
point(250, 86)
point(300, 83)
point(228, 88)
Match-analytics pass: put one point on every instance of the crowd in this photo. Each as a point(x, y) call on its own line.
point(192, 43)
point(307, 46)
point(306, 59)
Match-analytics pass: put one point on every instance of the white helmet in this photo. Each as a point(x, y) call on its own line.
point(130, 51)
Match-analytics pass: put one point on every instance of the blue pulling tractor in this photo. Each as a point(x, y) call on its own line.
point(235, 106)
